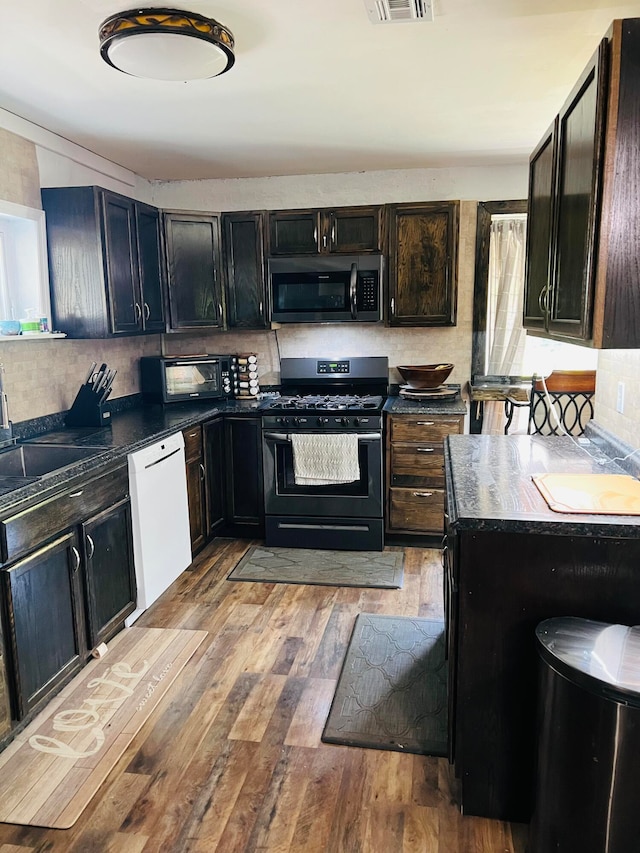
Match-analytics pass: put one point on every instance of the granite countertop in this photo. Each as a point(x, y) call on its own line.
point(516, 388)
point(489, 485)
point(129, 431)
point(400, 405)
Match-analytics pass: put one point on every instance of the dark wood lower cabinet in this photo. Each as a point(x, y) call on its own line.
point(501, 585)
point(233, 477)
point(245, 500)
point(215, 476)
point(109, 571)
point(43, 598)
point(68, 583)
point(5, 709)
point(196, 496)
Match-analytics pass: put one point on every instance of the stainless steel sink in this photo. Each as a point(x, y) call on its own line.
point(37, 460)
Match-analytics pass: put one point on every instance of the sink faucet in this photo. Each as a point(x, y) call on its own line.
point(6, 429)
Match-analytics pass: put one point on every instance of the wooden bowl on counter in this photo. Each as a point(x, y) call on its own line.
point(424, 376)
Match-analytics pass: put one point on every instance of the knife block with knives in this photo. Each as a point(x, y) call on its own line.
point(90, 407)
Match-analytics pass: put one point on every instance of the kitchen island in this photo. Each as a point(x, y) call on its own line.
point(511, 562)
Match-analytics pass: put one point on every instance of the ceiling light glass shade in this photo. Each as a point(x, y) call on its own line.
point(166, 44)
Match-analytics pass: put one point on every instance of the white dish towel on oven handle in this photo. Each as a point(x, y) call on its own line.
point(321, 459)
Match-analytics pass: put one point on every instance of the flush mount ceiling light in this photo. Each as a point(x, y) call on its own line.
point(166, 44)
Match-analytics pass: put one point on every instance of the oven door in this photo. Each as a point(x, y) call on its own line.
point(359, 499)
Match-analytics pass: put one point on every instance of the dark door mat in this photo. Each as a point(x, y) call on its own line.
point(392, 690)
point(382, 569)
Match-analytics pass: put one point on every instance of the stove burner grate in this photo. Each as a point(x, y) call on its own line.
point(330, 403)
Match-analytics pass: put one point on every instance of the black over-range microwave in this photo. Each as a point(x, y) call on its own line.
point(169, 379)
point(326, 288)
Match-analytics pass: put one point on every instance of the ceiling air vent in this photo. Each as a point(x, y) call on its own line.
point(399, 11)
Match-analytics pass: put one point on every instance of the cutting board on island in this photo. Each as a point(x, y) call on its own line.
point(591, 494)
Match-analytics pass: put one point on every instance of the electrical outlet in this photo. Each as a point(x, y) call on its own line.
point(620, 398)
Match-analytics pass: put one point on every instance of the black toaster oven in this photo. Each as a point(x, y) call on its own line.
point(173, 379)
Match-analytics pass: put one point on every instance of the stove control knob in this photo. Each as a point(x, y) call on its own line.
point(322, 421)
point(344, 421)
point(356, 421)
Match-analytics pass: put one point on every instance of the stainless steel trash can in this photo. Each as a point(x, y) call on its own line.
point(587, 783)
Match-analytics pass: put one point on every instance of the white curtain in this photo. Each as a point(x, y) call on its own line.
point(505, 335)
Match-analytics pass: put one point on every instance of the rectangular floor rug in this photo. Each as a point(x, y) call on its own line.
point(50, 772)
point(382, 569)
point(392, 690)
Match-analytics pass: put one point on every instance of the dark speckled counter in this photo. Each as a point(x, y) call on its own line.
point(489, 485)
point(399, 405)
point(129, 431)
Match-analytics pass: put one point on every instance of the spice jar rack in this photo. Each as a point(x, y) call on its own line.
point(247, 377)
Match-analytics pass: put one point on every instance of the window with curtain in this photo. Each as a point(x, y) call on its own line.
point(506, 339)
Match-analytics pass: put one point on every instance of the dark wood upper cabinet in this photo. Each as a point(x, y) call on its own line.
point(592, 289)
point(121, 261)
point(579, 162)
point(151, 267)
point(245, 283)
point(423, 263)
point(539, 229)
point(351, 230)
point(564, 200)
point(193, 270)
point(106, 265)
point(354, 230)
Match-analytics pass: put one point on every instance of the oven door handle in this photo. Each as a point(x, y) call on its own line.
point(281, 436)
point(276, 436)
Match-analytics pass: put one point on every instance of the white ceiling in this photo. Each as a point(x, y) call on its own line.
point(316, 87)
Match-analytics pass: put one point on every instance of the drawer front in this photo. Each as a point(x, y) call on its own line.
point(417, 464)
point(423, 428)
point(193, 442)
point(418, 510)
point(32, 527)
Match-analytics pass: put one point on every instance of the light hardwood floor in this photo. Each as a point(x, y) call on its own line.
point(232, 761)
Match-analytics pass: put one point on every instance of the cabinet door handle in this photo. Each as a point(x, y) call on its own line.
point(422, 494)
point(543, 299)
point(202, 472)
point(425, 449)
point(137, 310)
point(147, 311)
point(92, 546)
point(425, 423)
point(315, 234)
point(393, 305)
point(333, 233)
point(193, 434)
point(324, 241)
point(76, 494)
point(76, 554)
point(260, 307)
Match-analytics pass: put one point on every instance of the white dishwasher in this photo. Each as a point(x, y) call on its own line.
point(160, 518)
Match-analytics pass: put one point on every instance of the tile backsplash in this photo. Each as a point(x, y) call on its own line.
point(43, 376)
point(615, 367)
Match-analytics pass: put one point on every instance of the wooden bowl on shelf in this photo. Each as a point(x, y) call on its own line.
point(423, 376)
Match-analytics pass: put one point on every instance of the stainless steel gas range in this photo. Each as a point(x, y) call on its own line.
point(322, 454)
